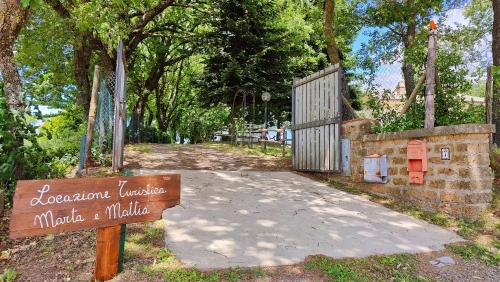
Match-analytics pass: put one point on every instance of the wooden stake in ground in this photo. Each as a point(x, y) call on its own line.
point(92, 114)
point(430, 78)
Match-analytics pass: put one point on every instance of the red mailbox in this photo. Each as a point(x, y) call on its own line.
point(417, 161)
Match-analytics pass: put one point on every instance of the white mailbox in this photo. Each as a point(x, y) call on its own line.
point(375, 168)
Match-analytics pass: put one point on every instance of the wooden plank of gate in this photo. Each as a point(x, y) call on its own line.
point(310, 137)
point(315, 129)
point(52, 206)
point(335, 125)
point(322, 128)
point(298, 118)
point(311, 130)
point(338, 101)
point(333, 109)
point(302, 131)
point(307, 156)
point(327, 127)
point(318, 129)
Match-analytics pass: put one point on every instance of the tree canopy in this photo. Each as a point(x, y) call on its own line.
point(195, 66)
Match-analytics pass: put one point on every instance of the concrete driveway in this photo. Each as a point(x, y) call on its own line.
point(250, 218)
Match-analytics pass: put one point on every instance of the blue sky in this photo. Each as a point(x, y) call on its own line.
point(360, 39)
point(46, 110)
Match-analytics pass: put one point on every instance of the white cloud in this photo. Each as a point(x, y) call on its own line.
point(454, 18)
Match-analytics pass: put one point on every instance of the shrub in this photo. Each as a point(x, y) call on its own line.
point(451, 106)
point(21, 156)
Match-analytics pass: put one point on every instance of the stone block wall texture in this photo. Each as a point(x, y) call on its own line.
point(461, 186)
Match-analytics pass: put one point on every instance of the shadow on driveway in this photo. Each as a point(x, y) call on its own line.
point(251, 218)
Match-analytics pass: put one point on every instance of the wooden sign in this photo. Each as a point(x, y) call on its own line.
point(53, 206)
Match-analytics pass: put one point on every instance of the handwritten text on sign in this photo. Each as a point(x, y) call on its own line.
point(54, 206)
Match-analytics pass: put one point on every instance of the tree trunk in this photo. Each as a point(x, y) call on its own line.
point(12, 19)
point(149, 121)
point(138, 116)
point(81, 60)
point(331, 45)
point(233, 132)
point(11, 79)
point(407, 68)
point(174, 133)
point(159, 111)
point(496, 69)
point(408, 76)
point(334, 56)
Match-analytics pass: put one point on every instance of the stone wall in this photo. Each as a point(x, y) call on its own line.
point(461, 186)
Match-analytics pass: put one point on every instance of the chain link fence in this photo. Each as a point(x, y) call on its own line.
point(103, 132)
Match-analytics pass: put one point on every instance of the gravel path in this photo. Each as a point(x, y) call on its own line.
point(200, 156)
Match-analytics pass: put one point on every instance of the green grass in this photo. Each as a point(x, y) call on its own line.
point(189, 275)
point(468, 229)
point(232, 276)
point(434, 217)
point(143, 148)
point(256, 149)
point(258, 272)
point(337, 270)
point(8, 275)
point(165, 255)
point(348, 188)
point(474, 250)
point(402, 267)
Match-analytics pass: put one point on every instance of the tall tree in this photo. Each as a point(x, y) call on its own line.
point(248, 55)
point(97, 28)
point(496, 68)
point(331, 45)
point(44, 50)
point(395, 25)
point(335, 56)
point(12, 18)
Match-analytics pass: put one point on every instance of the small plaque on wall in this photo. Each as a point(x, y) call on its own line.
point(445, 154)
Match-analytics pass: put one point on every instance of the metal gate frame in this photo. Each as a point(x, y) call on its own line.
point(315, 123)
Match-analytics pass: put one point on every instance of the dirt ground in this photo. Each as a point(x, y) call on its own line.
point(70, 257)
point(199, 156)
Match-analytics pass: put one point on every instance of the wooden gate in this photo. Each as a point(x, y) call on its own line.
point(316, 117)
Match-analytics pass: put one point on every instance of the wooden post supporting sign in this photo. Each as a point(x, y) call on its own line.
point(107, 251)
point(53, 206)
